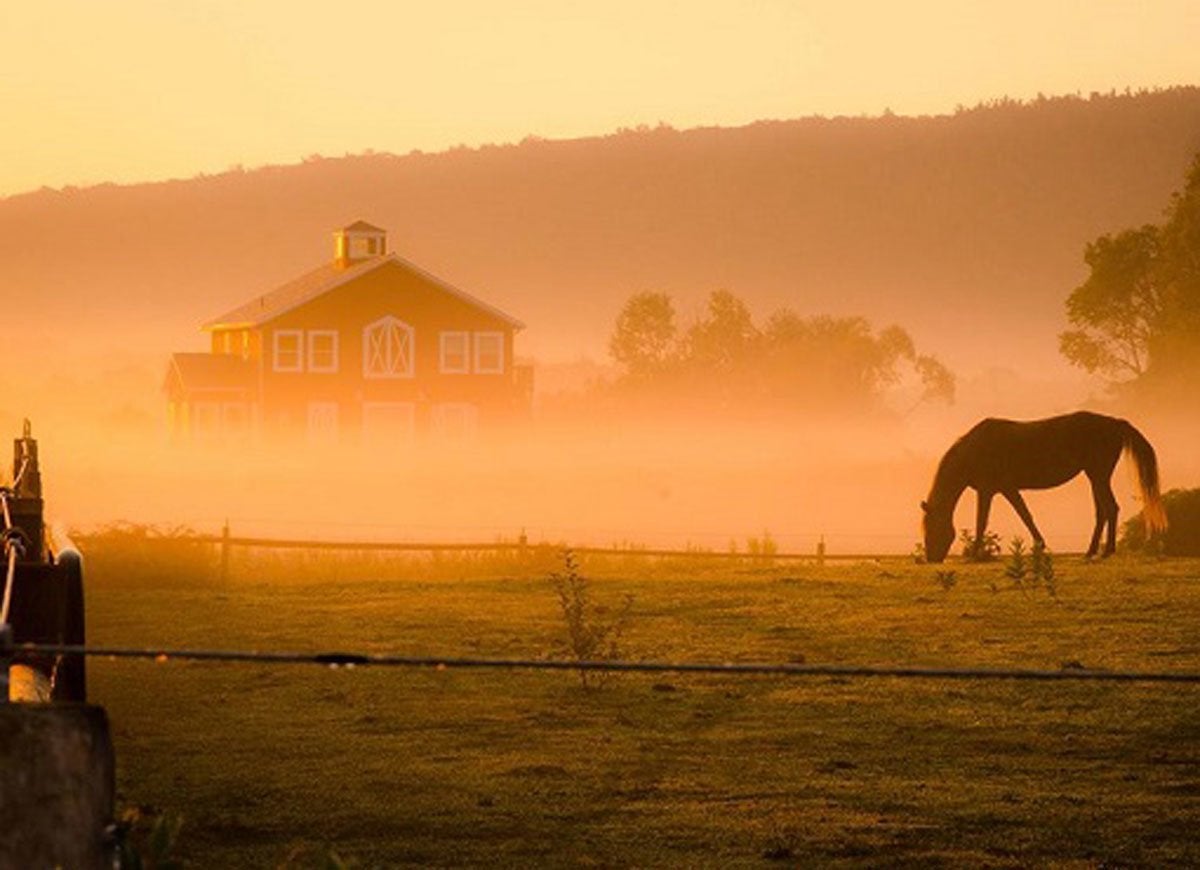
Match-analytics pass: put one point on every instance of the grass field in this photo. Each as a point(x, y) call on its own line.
point(272, 766)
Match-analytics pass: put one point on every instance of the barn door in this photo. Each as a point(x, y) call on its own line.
point(322, 421)
point(388, 423)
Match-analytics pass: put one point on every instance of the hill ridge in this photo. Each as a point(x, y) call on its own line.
point(943, 223)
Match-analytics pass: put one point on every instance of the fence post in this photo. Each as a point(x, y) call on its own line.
point(70, 684)
point(57, 786)
point(6, 641)
point(225, 552)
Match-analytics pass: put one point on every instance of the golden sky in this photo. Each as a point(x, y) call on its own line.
point(130, 90)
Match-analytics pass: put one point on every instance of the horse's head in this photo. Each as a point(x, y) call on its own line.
point(938, 527)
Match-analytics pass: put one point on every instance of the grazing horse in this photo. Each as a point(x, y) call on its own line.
point(1005, 457)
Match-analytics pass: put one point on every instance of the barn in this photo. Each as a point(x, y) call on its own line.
point(366, 348)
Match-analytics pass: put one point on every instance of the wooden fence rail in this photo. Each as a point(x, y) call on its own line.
point(226, 542)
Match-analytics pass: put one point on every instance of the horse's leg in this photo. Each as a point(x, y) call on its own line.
point(1018, 503)
point(1107, 508)
point(983, 504)
point(1112, 509)
point(1101, 512)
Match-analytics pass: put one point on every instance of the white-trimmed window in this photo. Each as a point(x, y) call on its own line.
point(322, 351)
point(387, 423)
point(454, 357)
point(454, 420)
point(388, 349)
point(288, 345)
point(489, 353)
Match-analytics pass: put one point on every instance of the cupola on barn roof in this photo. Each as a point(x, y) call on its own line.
point(357, 242)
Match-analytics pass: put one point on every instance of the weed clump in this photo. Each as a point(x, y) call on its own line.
point(139, 554)
point(1182, 535)
point(145, 838)
point(982, 549)
point(1030, 569)
point(762, 550)
point(593, 632)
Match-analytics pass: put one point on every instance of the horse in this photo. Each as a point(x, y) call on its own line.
point(1007, 456)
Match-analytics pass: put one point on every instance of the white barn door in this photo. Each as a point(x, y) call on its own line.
point(322, 422)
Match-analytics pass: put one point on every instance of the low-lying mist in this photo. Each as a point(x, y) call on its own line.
point(598, 479)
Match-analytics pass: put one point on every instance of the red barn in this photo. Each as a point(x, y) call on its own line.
point(366, 347)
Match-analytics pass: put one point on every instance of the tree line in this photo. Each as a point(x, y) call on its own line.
point(787, 362)
point(1135, 321)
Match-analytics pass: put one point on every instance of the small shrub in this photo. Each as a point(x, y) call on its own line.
point(1030, 569)
point(1043, 568)
point(918, 553)
point(592, 634)
point(135, 554)
point(985, 549)
point(1017, 566)
point(947, 580)
point(146, 840)
point(762, 549)
point(1182, 537)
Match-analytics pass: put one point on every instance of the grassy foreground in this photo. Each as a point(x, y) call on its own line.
point(275, 766)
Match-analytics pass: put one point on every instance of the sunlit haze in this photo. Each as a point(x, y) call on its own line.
point(134, 90)
point(685, 433)
point(902, 232)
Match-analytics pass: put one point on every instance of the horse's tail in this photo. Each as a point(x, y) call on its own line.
point(1154, 515)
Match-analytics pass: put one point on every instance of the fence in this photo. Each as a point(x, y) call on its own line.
point(357, 659)
point(761, 551)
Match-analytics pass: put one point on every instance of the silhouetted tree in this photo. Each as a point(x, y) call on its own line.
point(1137, 316)
point(644, 338)
point(1118, 310)
point(937, 381)
point(791, 362)
point(724, 336)
point(1179, 344)
point(838, 359)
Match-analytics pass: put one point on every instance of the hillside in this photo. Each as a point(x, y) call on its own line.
point(967, 229)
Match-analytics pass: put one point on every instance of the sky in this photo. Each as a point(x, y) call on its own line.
point(140, 90)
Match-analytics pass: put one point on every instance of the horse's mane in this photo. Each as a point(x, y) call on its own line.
point(947, 466)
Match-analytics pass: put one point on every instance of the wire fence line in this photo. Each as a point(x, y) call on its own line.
point(356, 659)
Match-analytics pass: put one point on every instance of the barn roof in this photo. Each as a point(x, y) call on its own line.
point(328, 277)
point(219, 372)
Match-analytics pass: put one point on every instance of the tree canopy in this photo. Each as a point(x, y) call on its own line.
point(1136, 318)
point(787, 362)
point(644, 337)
